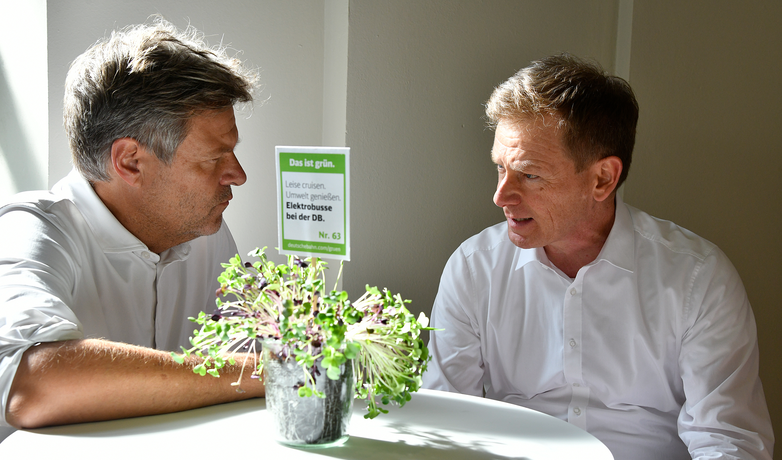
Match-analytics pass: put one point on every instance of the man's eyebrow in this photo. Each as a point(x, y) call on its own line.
point(526, 165)
point(230, 148)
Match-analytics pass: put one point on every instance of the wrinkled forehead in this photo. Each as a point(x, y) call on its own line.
point(531, 138)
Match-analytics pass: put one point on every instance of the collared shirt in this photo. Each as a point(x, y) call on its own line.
point(70, 270)
point(652, 347)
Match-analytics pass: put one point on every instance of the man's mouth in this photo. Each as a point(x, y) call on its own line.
point(524, 219)
point(225, 197)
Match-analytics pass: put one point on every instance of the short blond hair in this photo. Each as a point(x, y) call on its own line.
point(596, 113)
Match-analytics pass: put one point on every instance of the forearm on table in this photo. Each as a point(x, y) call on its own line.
point(90, 380)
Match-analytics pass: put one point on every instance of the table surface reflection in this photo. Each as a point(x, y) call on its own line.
point(434, 425)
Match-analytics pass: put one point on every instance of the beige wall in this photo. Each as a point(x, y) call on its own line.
point(709, 150)
point(23, 98)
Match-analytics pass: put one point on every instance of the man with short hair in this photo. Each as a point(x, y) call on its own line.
point(585, 308)
point(99, 276)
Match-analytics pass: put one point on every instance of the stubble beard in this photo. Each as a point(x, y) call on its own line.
point(211, 224)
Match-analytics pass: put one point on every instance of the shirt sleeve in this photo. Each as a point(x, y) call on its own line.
point(455, 344)
point(725, 410)
point(36, 279)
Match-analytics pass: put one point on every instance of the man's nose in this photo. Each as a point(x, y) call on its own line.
point(507, 193)
point(234, 173)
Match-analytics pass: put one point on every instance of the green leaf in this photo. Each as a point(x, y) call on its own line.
point(333, 372)
point(373, 290)
point(305, 392)
point(352, 350)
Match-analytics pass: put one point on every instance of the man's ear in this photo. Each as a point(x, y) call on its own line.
point(126, 153)
point(607, 172)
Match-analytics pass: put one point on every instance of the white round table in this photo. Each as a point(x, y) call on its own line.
point(434, 425)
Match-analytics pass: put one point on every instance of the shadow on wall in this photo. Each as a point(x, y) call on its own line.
point(15, 149)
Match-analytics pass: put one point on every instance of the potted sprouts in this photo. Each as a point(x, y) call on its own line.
point(320, 349)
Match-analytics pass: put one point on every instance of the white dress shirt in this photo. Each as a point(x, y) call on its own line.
point(652, 348)
point(70, 270)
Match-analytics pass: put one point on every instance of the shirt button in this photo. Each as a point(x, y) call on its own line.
point(145, 255)
point(572, 343)
point(573, 291)
point(577, 411)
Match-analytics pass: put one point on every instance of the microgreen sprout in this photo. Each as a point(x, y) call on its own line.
point(288, 303)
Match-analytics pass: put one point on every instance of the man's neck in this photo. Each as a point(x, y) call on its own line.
point(571, 259)
point(122, 204)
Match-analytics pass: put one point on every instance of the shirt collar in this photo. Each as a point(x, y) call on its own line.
point(525, 256)
point(618, 250)
point(110, 234)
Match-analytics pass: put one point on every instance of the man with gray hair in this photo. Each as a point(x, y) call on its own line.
point(99, 275)
point(585, 308)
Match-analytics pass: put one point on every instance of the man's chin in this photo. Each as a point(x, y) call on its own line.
point(215, 226)
point(521, 242)
point(208, 228)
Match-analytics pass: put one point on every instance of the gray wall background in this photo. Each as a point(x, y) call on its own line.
point(402, 83)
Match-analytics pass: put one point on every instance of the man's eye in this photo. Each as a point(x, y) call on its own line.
point(530, 176)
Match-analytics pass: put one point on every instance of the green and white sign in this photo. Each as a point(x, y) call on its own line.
point(313, 192)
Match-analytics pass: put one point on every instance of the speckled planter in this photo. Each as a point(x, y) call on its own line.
point(309, 421)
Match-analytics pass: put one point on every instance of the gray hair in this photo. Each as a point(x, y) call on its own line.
point(146, 82)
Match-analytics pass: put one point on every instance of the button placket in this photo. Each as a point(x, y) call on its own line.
point(147, 256)
point(572, 353)
point(572, 333)
point(578, 405)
